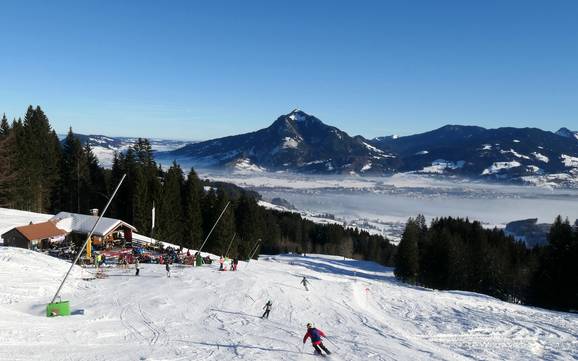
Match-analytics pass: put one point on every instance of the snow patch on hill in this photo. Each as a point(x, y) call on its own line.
point(289, 142)
point(569, 161)
point(499, 166)
point(541, 157)
point(514, 153)
point(366, 167)
point(440, 165)
point(245, 165)
point(372, 148)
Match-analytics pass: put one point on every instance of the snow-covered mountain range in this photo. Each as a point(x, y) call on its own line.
point(104, 146)
point(299, 142)
point(521, 154)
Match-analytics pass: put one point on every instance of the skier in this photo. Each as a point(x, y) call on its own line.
point(304, 282)
point(222, 264)
point(235, 263)
point(267, 309)
point(168, 268)
point(315, 335)
point(136, 267)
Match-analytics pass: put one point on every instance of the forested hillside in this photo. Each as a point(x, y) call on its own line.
point(459, 254)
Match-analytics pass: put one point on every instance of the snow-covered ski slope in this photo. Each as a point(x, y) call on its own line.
point(204, 314)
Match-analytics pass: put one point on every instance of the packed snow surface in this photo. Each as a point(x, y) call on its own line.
point(204, 314)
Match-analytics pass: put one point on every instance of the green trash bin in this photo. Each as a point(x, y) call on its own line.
point(60, 308)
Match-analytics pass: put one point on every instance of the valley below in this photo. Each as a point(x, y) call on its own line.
point(382, 205)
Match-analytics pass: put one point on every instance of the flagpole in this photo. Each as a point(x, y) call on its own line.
point(153, 216)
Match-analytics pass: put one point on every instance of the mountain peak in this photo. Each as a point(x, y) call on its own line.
point(298, 115)
point(567, 133)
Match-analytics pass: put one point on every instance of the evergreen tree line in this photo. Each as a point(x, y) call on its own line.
point(461, 255)
point(41, 174)
point(29, 162)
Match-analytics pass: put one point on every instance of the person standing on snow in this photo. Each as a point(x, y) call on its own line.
point(304, 282)
point(168, 268)
point(315, 335)
point(136, 264)
point(222, 264)
point(267, 309)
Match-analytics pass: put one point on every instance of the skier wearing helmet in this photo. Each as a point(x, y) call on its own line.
point(315, 335)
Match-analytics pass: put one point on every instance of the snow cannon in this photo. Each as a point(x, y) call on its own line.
point(60, 308)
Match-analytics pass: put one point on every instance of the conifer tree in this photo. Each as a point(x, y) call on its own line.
point(8, 172)
point(4, 126)
point(225, 228)
point(407, 264)
point(97, 180)
point(39, 159)
point(249, 224)
point(170, 215)
point(193, 221)
point(75, 182)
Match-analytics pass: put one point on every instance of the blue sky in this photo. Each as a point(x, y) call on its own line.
point(197, 70)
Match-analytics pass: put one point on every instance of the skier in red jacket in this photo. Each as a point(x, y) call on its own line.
point(315, 335)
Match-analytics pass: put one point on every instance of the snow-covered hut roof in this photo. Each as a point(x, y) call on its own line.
point(83, 223)
point(41, 230)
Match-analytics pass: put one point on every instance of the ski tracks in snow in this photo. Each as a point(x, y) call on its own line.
point(146, 330)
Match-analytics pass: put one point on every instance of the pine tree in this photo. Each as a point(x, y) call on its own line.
point(406, 264)
point(249, 225)
point(140, 199)
point(193, 221)
point(75, 178)
point(39, 160)
point(555, 283)
point(170, 215)
point(97, 180)
point(8, 172)
point(4, 126)
point(225, 229)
